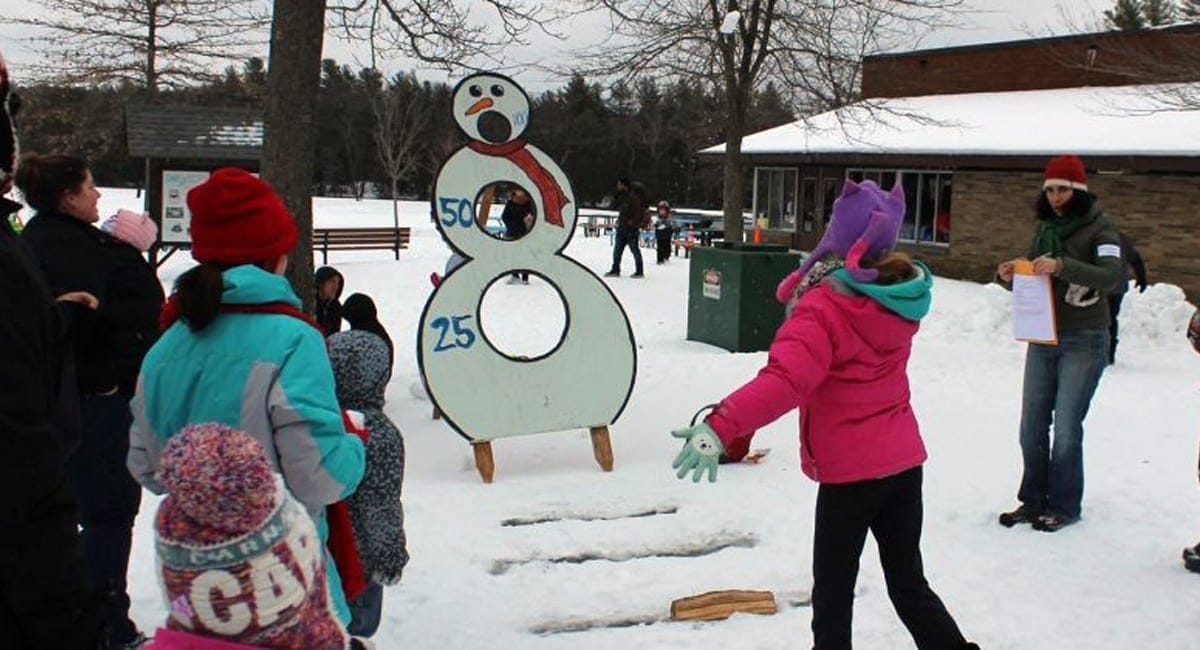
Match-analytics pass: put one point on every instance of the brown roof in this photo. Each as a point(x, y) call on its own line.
point(197, 132)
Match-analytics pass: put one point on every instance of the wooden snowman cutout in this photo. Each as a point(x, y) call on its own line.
point(585, 380)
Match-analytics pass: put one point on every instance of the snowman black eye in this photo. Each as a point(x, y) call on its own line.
point(475, 91)
point(497, 90)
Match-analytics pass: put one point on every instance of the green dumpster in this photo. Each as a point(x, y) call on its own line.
point(731, 294)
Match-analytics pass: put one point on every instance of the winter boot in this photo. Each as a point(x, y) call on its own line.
point(1191, 558)
point(1022, 515)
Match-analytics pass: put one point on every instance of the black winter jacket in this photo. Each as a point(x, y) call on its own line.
point(110, 345)
point(328, 311)
point(39, 406)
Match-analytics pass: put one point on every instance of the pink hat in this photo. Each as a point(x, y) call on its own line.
point(134, 228)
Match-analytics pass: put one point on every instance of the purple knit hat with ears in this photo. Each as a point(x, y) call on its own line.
point(865, 224)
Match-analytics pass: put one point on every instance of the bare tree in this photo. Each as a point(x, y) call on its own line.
point(399, 121)
point(1164, 63)
point(441, 33)
point(739, 45)
point(289, 143)
point(151, 43)
point(434, 31)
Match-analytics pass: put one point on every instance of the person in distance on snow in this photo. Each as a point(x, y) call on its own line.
point(1077, 245)
point(326, 308)
point(518, 216)
point(841, 356)
point(664, 229)
point(630, 204)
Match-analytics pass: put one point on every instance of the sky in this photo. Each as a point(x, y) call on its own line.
point(979, 21)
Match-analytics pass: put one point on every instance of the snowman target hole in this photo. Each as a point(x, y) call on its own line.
point(541, 321)
point(492, 202)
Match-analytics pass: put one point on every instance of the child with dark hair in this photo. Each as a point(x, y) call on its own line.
point(326, 309)
point(237, 349)
point(841, 357)
point(361, 370)
point(360, 312)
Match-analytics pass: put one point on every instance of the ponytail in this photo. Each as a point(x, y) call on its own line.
point(199, 294)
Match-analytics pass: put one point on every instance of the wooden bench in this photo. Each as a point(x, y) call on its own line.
point(345, 239)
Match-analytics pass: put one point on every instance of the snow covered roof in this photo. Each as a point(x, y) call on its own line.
point(1099, 121)
point(193, 132)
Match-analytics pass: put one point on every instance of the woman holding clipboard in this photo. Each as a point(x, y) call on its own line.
point(1078, 248)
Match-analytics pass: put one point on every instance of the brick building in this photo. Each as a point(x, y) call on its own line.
point(967, 131)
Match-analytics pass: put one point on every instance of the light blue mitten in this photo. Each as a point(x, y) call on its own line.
point(701, 451)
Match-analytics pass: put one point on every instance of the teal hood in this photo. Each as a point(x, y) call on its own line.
point(908, 300)
point(252, 285)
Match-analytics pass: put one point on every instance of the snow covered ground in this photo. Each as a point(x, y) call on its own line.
point(1112, 581)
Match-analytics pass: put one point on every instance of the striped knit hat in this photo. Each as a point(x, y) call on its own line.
point(239, 558)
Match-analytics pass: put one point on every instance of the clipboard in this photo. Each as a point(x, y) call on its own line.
point(1034, 318)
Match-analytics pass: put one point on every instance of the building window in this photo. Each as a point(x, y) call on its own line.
point(775, 197)
point(927, 199)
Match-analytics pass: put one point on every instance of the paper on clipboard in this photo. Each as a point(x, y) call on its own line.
point(1033, 305)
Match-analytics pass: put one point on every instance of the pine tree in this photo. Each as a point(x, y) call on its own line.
point(1190, 9)
point(1158, 12)
point(1126, 15)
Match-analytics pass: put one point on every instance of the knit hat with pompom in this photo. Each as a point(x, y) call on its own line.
point(239, 558)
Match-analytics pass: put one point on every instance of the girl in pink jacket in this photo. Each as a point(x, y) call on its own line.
point(840, 356)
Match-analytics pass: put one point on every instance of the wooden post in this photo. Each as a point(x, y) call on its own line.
point(485, 206)
point(602, 448)
point(483, 459)
point(718, 605)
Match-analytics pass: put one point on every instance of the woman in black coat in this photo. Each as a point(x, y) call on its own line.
point(108, 349)
point(44, 601)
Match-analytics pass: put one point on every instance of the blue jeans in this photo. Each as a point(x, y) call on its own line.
point(627, 237)
point(1059, 383)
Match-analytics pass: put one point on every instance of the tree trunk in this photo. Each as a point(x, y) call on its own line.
point(395, 205)
point(289, 141)
point(732, 201)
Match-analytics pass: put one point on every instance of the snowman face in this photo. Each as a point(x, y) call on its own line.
point(491, 108)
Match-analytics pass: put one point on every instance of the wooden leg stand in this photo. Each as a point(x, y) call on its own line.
point(483, 460)
point(718, 605)
point(602, 448)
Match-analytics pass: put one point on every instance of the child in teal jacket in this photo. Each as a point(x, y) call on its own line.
point(238, 350)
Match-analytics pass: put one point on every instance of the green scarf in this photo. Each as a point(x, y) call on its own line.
point(1051, 233)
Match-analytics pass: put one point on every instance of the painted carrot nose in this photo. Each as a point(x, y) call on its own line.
point(486, 102)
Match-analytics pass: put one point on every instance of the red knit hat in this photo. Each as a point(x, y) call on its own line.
point(238, 219)
point(1065, 171)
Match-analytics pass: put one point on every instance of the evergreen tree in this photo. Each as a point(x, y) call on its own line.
point(1126, 15)
point(1158, 12)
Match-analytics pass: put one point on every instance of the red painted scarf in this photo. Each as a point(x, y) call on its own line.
point(552, 194)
